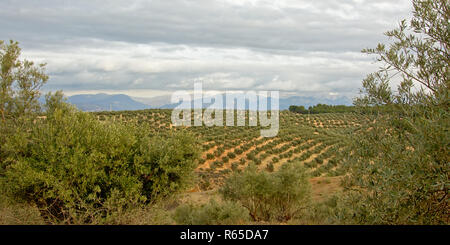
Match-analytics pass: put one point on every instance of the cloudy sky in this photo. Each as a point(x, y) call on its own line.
point(151, 48)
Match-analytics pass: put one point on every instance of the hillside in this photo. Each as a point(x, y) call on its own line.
point(105, 102)
point(314, 140)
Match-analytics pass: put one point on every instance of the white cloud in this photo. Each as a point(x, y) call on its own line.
point(295, 46)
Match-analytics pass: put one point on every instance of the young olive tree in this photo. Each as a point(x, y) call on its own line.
point(280, 195)
point(20, 82)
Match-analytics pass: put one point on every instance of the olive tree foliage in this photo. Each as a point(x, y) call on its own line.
point(20, 82)
point(280, 195)
point(400, 164)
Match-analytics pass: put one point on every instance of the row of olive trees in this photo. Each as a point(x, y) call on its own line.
point(74, 168)
point(322, 108)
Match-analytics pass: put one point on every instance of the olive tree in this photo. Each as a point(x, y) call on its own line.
point(20, 82)
point(280, 195)
point(399, 168)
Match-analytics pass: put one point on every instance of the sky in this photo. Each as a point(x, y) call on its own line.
point(152, 48)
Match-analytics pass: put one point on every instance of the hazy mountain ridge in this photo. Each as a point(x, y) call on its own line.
point(284, 103)
point(120, 102)
point(105, 102)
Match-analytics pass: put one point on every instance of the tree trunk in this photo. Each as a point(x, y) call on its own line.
point(3, 115)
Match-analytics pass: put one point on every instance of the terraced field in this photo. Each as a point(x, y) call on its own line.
point(315, 140)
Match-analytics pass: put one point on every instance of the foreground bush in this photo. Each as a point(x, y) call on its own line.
point(76, 169)
point(212, 213)
point(400, 165)
point(280, 195)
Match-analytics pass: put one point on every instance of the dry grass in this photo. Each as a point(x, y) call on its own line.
point(324, 187)
point(18, 214)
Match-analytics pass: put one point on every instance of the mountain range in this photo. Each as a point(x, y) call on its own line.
point(105, 102)
point(284, 103)
point(121, 102)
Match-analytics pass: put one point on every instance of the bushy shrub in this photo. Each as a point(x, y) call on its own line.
point(166, 163)
point(219, 151)
point(225, 171)
point(212, 213)
point(231, 155)
point(225, 159)
point(76, 169)
point(209, 156)
point(279, 195)
point(250, 156)
point(242, 161)
point(217, 164)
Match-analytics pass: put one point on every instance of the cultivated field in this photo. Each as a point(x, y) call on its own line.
point(315, 140)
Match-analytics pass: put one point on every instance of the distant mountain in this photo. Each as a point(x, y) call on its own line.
point(284, 103)
point(122, 102)
point(154, 102)
point(105, 102)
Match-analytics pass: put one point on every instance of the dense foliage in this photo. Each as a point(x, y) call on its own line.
point(77, 169)
point(400, 164)
point(280, 195)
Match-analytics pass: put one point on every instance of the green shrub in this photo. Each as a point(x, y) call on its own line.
point(166, 163)
point(319, 160)
point(250, 156)
point(242, 161)
point(280, 195)
point(212, 213)
point(234, 166)
point(231, 155)
point(217, 164)
point(257, 161)
point(76, 169)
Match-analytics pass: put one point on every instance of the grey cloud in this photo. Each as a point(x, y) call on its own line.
point(320, 25)
point(294, 46)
